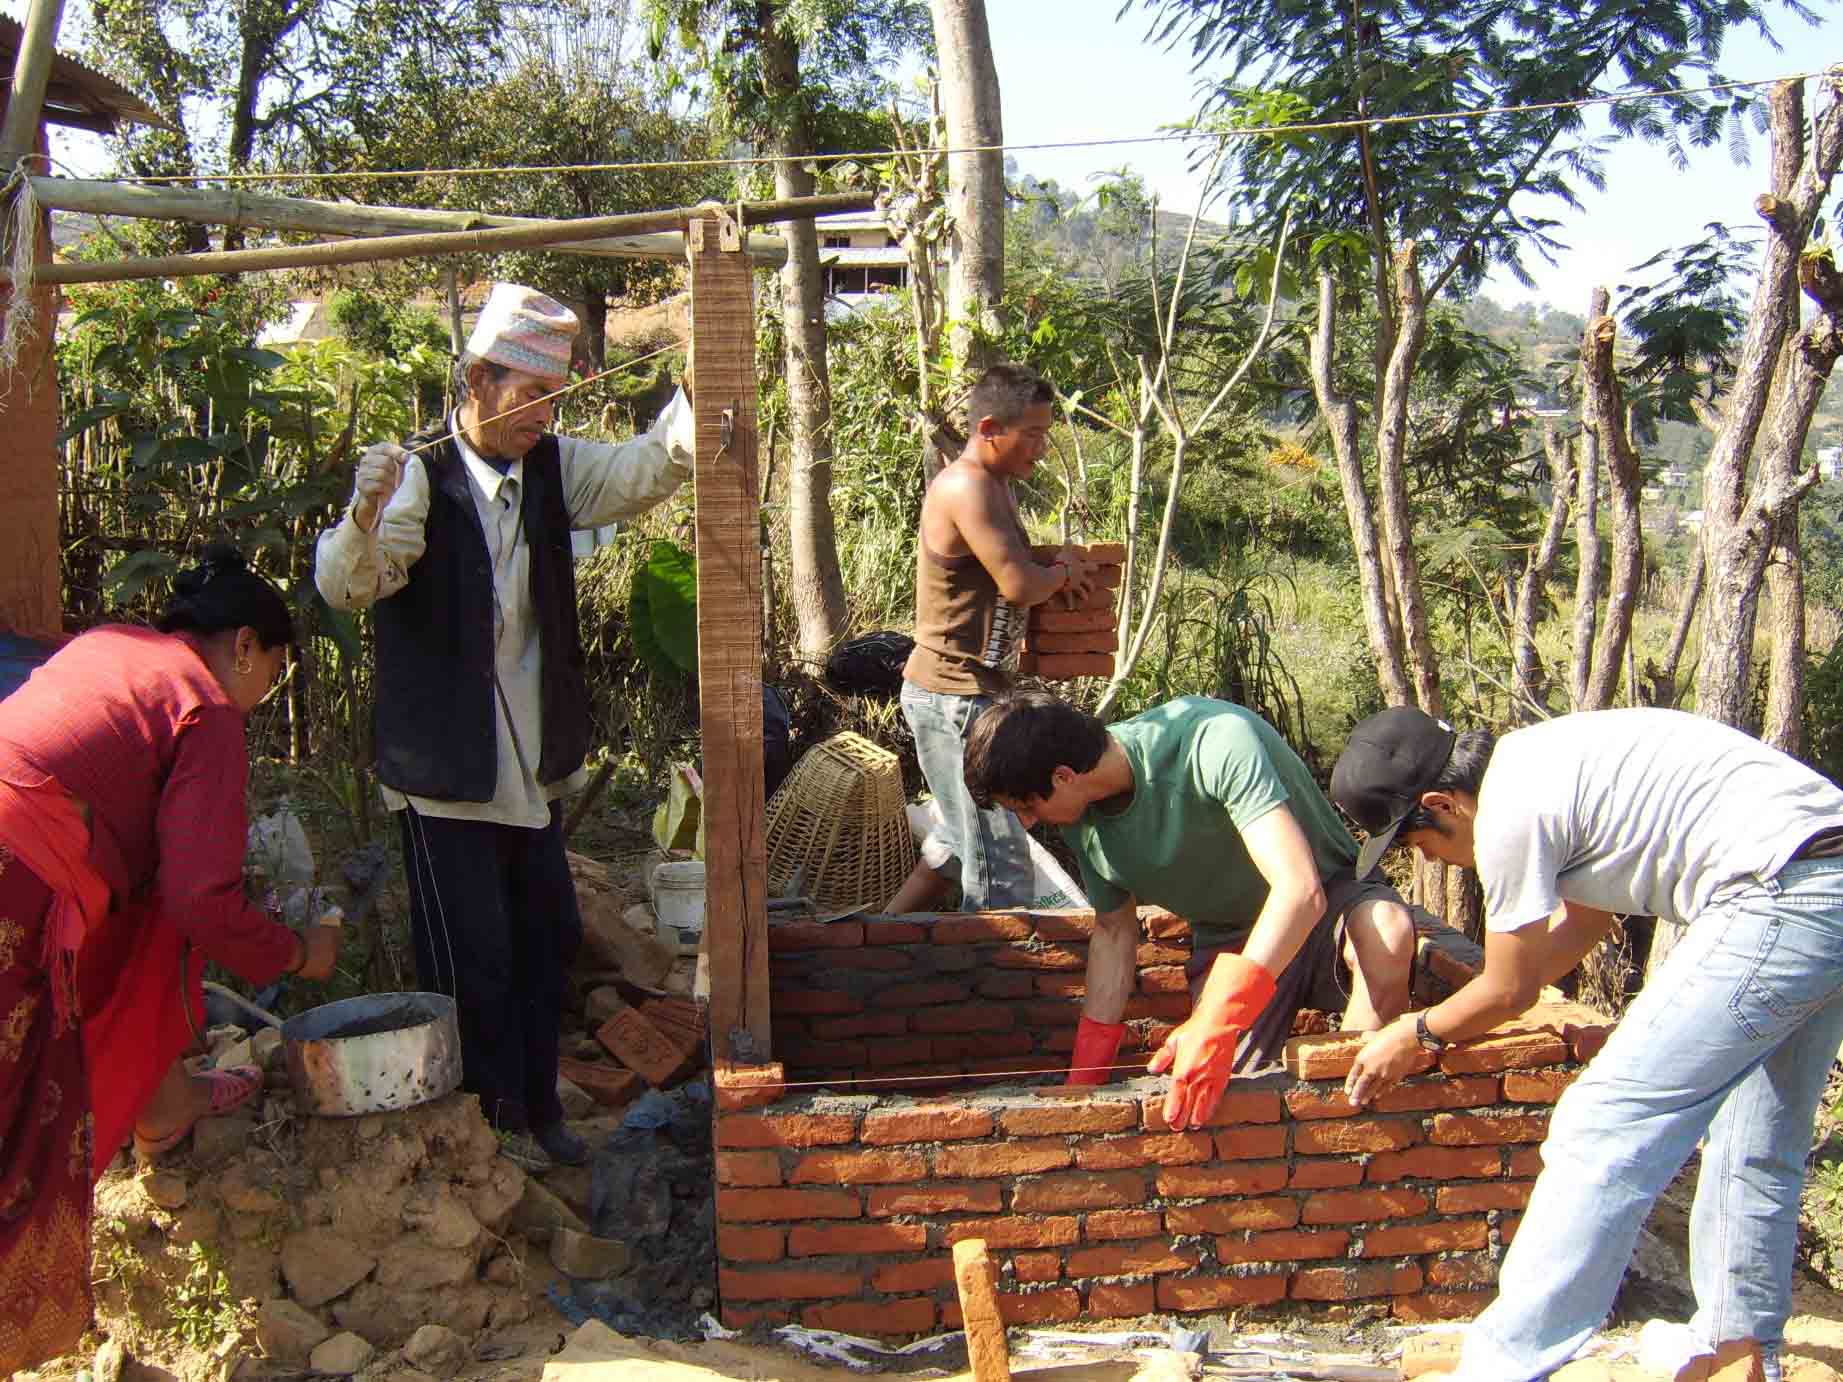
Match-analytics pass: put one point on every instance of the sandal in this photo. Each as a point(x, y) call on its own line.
point(231, 1088)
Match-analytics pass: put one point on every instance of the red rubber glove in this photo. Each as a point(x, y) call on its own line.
point(1097, 1045)
point(1201, 1054)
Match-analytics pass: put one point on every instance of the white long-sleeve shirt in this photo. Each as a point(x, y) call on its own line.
point(602, 484)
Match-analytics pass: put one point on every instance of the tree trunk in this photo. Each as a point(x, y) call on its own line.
point(1664, 680)
point(815, 587)
point(1586, 535)
point(1392, 480)
point(1340, 415)
point(1604, 418)
point(1526, 679)
point(975, 181)
point(1738, 529)
point(1784, 728)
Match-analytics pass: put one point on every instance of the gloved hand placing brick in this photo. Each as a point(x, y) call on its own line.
point(1201, 1054)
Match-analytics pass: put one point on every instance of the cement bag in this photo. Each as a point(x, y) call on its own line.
point(1051, 886)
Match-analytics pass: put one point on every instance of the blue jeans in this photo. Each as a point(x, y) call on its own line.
point(1731, 1040)
point(992, 847)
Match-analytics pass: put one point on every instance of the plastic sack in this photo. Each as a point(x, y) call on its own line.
point(1051, 886)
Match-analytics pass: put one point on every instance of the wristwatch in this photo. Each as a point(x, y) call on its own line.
point(1428, 1041)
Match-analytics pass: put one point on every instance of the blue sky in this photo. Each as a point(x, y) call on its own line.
point(1068, 70)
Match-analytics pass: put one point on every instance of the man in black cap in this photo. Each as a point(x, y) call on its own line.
point(1634, 812)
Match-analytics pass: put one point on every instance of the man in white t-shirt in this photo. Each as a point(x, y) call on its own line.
point(1635, 812)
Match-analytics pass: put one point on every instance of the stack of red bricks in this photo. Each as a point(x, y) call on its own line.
point(659, 1042)
point(1069, 637)
point(840, 1210)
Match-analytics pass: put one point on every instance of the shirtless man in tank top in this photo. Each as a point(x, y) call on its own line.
point(975, 581)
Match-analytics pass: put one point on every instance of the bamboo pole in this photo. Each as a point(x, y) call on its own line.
point(31, 73)
point(208, 206)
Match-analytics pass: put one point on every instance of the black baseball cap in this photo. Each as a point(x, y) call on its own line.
point(1392, 757)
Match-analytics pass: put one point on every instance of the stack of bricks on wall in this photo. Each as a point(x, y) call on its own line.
point(1068, 637)
point(838, 1203)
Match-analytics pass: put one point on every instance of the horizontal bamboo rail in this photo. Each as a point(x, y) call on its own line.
point(209, 206)
point(380, 248)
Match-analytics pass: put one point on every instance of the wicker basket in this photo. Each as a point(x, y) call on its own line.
point(837, 832)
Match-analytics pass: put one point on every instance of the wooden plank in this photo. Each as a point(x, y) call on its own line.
point(730, 638)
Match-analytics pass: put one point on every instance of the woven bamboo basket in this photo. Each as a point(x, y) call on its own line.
point(836, 831)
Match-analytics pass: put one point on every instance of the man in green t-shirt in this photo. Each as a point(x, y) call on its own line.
point(1200, 806)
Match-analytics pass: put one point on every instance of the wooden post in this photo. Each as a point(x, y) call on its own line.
point(730, 635)
point(31, 72)
point(976, 1281)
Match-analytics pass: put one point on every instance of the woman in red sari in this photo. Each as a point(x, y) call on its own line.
point(122, 827)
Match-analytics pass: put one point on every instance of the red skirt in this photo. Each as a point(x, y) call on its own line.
point(68, 1100)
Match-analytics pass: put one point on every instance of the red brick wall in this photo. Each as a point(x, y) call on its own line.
point(838, 1206)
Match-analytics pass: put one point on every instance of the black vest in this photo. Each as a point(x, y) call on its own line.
point(434, 706)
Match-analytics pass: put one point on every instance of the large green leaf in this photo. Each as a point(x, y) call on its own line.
point(130, 576)
point(663, 610)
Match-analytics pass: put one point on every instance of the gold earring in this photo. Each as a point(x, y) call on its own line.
point(245, 667)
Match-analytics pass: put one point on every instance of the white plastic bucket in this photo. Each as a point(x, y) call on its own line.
point(678, 903)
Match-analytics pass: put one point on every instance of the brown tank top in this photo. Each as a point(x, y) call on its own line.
point(966, 634)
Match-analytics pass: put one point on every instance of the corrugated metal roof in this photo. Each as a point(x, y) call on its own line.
point(77, 94)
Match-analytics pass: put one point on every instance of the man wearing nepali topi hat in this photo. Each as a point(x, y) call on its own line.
point(463, 553)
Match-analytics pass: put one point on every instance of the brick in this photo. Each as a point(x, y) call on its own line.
point(1078, 1190)
point(958, 959)
point(1061, 985)
point(788, 936)
point(977, 927)
point(736, 1244)
point(1035, 1267)
point(1046, 620)
point(809, 1054)
point(743, 1206)
point(1106, 1225)
point(787, 1130)
point(1584, 1042)
point(1252, 1106)
point(1097, 1116)
point(1003, 1158)
point(858, 1025)
point(1434, 1163)
point(736, 1317)
point(1430, 1306)
point(1355, 1135)
point(894, 933)
point(1359, 1206)
point(820, 1240)
point(1049, 1012)
point(657, 1057)
point(1040, 957)
point(1524, 1162)
point(1474, 1129)
point(1414, 1096)
point(1330, 1056)
point(1162, 925)
point(1226, 1216)
point(1326, 1173)
point(1064, 926)
point(1132, 1259)
point(748, 1086)
point(1239, 1144)
point(1017, 1231)
point(748, 1168)
point(787, 1284)
point(1164, 1149)
point(813, 1003)
point(1536, 1086)
point(967, 1017)
point(879, 959)
point(1009, 1065)
point(997, 985)
point(890, 1317)
point(1057, 1305)
point(1514, 1051)
point(889, 1052)
point(1068, 666)
point(1285, 1246)
point(1152, 955)
point(1356, 1283)
point(611, 1086)
point(1252, 1178)
point(1507, 1228)
point(1310, 1102)
point(921, 994)
point(1218, 1292)
point(1463, 1272)
point(925, 1123)
point(1115, 1300)
point(1407, 1240)
point(1476, 1199)
point(1171, 1007)
point(926, 1275)
point(995, 1044)
point(1164, 979)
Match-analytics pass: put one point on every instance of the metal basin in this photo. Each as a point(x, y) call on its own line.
point(373, 1054)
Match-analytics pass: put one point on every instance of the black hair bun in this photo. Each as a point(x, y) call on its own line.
point(219, 559)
